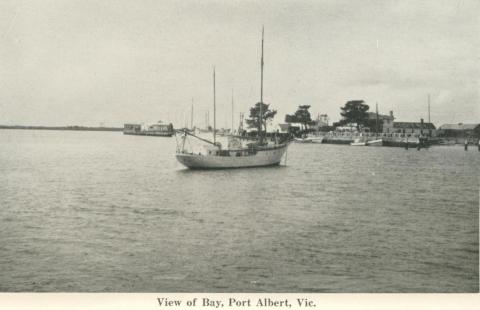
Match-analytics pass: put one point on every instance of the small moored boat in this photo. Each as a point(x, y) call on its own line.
point(309, 139)
point(358, 142)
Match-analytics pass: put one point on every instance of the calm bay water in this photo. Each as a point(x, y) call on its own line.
point(100, 211)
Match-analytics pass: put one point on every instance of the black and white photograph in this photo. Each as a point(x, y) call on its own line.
point(242, 146)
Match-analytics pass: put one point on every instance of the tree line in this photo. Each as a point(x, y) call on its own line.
point(354, 111)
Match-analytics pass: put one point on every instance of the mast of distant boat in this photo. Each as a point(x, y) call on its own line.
point(191, 117)
point(318, 124)
point(261, 95)
point(214, 110)
point(376, 120)
point(429, 108)
point(232, 112)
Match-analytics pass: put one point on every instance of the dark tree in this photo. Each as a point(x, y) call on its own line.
point(301, 116)
point(254, 120)
point(355, 111)
point(291, 118)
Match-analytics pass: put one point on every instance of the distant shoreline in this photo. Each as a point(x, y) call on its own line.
point(82, 128)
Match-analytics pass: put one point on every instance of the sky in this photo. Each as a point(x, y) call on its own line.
point(108, 63)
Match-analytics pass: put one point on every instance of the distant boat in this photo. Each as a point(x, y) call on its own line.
point(239, 154)
point(359, 142)
point(365, 142)
point(377, 142)
point(309, 139)
point(402, 140)
point(159, 130)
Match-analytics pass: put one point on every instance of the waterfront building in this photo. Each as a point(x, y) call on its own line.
point(385, 122)
point(414, 128)
point(389, 125)
point(132, 128)
point(158, 129)
point(161, 127)
point(460, 130)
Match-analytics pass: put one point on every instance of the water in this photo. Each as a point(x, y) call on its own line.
point(104, 212)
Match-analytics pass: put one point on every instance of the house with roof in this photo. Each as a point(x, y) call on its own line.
point(382, 121)
point(389, 125)
point(415, 128)
point(460, 130)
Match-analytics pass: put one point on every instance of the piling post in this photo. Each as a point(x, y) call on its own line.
point(466, 144)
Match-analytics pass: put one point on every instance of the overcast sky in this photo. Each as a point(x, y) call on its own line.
point(91, 62)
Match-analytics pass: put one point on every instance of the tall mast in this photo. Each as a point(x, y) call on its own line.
point(232, 110)
point(214, 109)
point(261, 73)
point(429, 108)
point(191, 116)
point(261, 92)
point(376, 119)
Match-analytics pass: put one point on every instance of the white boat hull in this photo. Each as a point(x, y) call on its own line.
point(378, 142)
point(309, 140)
point(317, 140)
point(262, 158)
point(359, 142)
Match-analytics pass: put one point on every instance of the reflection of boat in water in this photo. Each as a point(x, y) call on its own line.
point(240, 153)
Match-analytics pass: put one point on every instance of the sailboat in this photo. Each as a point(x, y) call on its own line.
point(259, 153)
